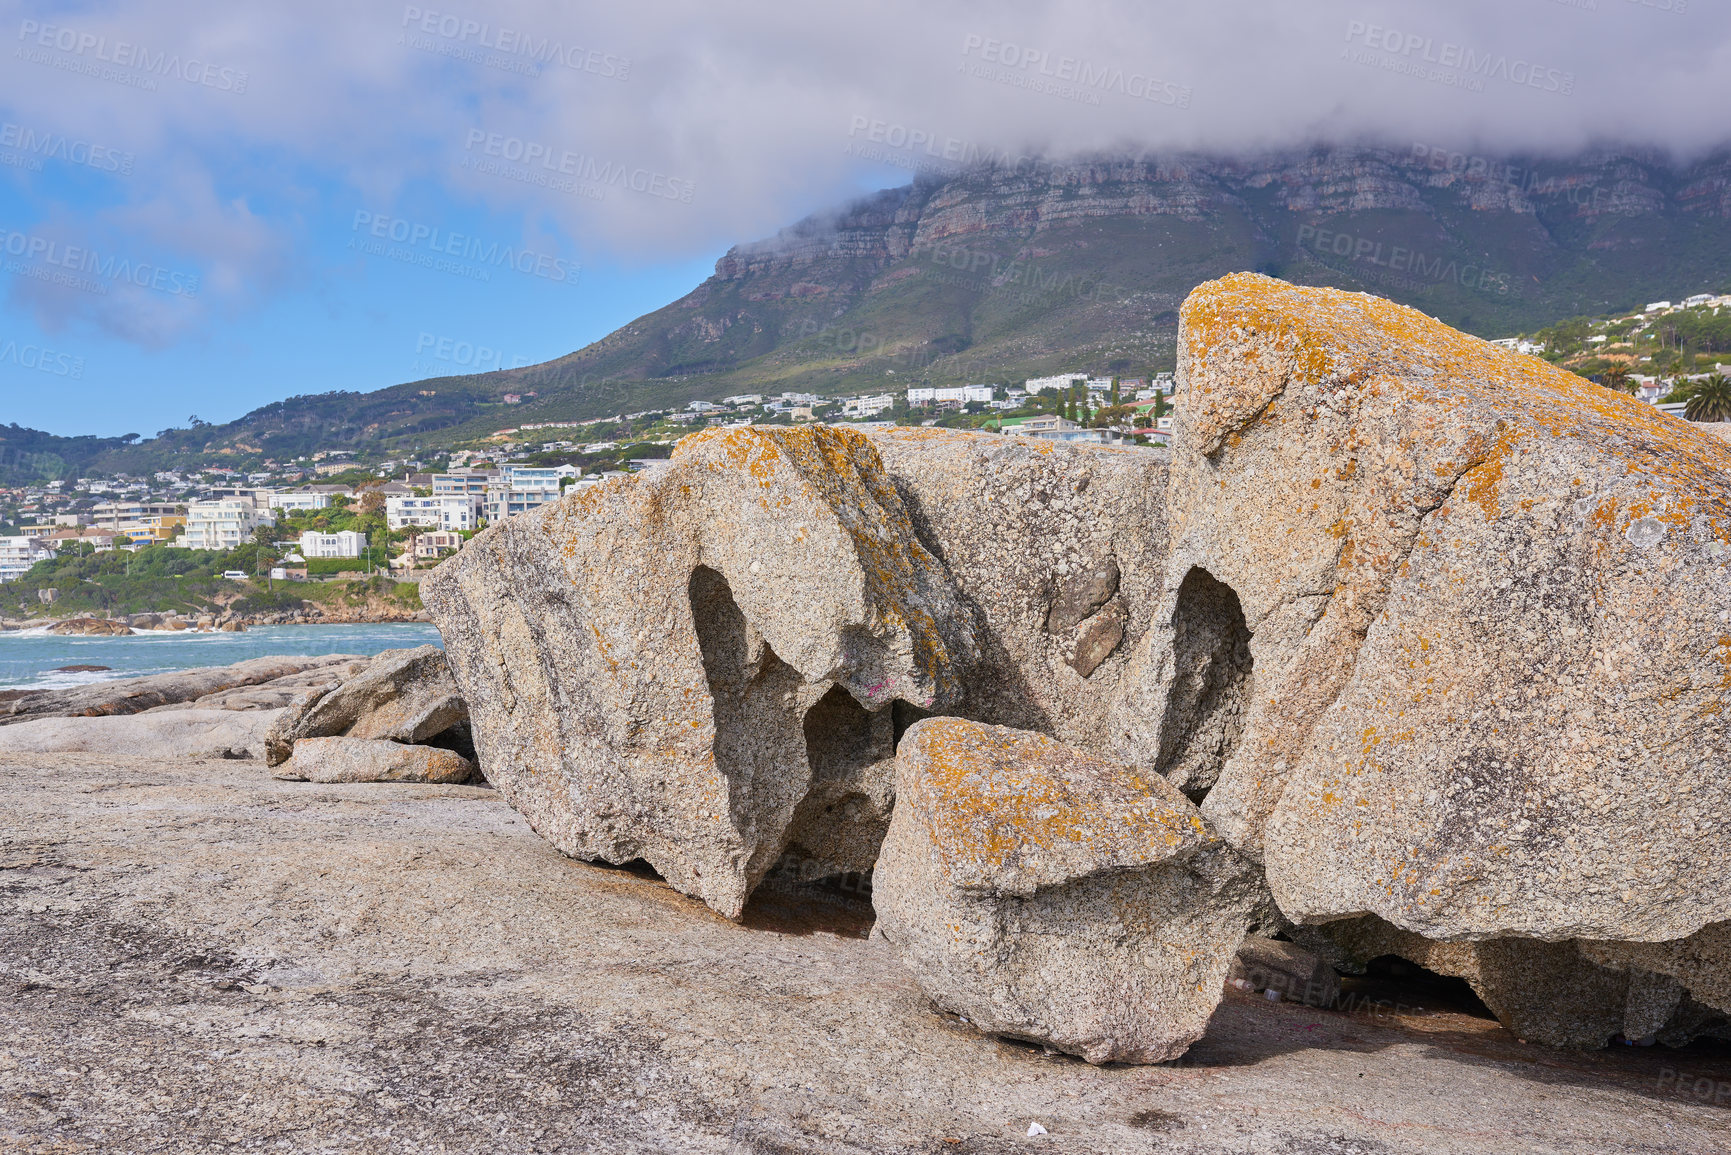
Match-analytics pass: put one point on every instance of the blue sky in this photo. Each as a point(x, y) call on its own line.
point(331, 317)
point(197, 201)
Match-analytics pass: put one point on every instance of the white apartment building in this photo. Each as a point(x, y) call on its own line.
point(450, 511)
point(519, 489)
point(18, 554)
point(346, 543)
point(299, 501)
point(868, 406)
point(223, 524)
point(1061, 381)
point(960, 394)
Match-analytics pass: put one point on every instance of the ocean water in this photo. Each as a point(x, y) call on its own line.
point(28, 658)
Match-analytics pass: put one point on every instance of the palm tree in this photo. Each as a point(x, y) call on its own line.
point(1709, 399)
point(1617, 377)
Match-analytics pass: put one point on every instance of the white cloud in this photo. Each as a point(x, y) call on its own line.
point(733, 119)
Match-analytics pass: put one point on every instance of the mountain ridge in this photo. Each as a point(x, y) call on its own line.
point(1000, 273)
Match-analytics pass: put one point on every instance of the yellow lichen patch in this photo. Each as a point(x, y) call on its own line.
point(1330, 335)
point(999, 800)
point(841, 469)
point(1480, 483)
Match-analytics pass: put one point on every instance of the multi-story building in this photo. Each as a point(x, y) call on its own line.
point(113, 514)
point(519, 489)
point(344, 543)
point(402, 512)
point(299, 500)
point(1061, 381)
point(432, 546)
point(957, 395)
point(18, 554)
point(868, 406)
point(472, 482)
point(450, 511)
point(223, 524)
point(153, 530)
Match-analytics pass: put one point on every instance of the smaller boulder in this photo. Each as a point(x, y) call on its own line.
point(405, 696)
point(372, 760)
point(1049, 895)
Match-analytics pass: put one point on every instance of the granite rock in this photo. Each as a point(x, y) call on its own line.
point(179, 688)
point(166, 734)
point(404, 696)
point(1484, 611)
point(705, 665)
point(1060, 554)
point(372, 760)
point(1050, 895)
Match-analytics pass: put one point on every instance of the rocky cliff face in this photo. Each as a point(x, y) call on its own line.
point(992, 273)
point(997, 274)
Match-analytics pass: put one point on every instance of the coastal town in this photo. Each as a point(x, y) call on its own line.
point(269, 537)
point(336, 516)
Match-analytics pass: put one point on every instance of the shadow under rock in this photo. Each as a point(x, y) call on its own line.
point(1408, 1005)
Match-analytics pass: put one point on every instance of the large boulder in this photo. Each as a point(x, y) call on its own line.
point(372, 760)
point(404, 696)
point(1060, 554)
point(170, 735)
point(1462, 617)
point(1046, 894)
point(706, 664)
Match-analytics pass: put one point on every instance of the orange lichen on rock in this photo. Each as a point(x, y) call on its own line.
point(1009, 806)
point(1335, 338)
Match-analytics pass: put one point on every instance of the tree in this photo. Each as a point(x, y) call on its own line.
point(1115, 393)
point(1708, 399)
point(1617, 377)
point(1113, 415)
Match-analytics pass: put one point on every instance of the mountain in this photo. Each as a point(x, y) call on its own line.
point(1000, 274)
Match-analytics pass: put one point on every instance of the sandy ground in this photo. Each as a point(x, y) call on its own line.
point(199, 958)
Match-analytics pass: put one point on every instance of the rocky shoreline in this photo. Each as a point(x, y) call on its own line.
point(227, 622)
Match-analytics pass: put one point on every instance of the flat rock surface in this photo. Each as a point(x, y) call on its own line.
point(199, 958)
point(164, 734)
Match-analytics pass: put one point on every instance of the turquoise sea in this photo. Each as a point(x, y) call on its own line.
point(29, 659)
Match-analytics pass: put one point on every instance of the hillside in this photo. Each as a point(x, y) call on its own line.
point(993, 274)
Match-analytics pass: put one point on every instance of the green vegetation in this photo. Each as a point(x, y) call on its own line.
point(1708, 399)
point(156, 578)
point(318, 566)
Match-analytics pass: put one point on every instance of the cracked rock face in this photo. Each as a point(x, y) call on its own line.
point(1049, 895)
point(1059, 553)
point(1485, 694)
point(703, 666)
